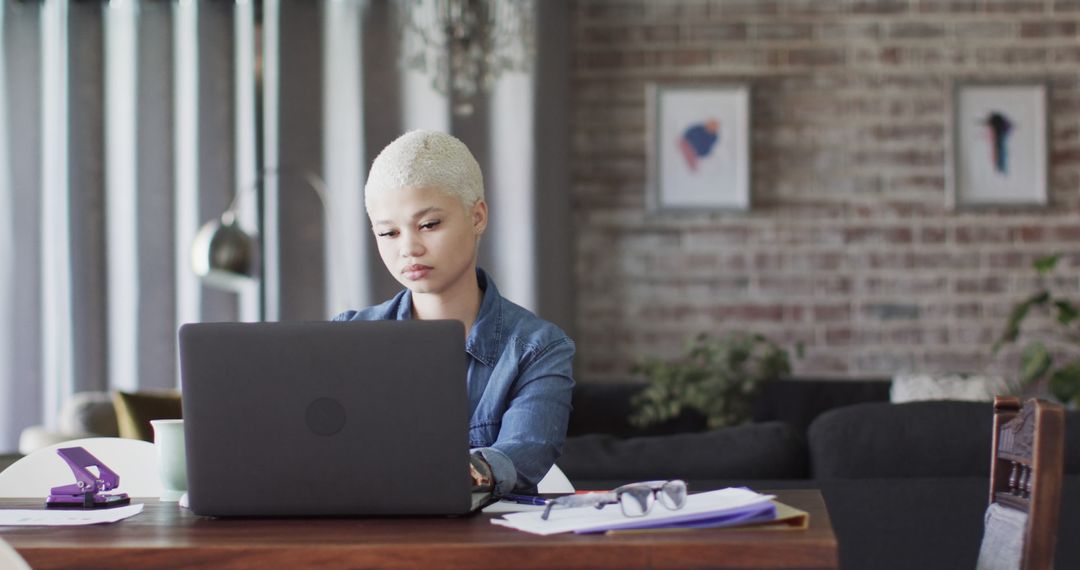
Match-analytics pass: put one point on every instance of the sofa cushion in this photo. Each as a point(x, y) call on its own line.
point(798, 401)
point(771, 450)
point(1072, 442)
point(89, 413)
point(606, 407)
point(916, 439)
point(134, 410)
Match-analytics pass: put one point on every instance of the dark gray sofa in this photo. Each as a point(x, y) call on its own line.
point(604, 449)
point(905, 484)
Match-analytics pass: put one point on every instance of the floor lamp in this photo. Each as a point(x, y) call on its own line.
point(226, 256)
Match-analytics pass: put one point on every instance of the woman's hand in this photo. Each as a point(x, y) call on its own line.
point(480, 472)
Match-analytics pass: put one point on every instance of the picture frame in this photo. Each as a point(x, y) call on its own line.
point(998, 154)
point(698, 147)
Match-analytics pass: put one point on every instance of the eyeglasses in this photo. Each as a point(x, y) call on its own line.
point(635, 499)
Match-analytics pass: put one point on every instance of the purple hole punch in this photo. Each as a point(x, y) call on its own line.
point(88, 490)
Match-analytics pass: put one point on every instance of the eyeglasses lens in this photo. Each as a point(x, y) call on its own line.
point(636, 501)
point(673, 495)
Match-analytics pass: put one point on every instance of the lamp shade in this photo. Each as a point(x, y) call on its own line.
point(222, 249)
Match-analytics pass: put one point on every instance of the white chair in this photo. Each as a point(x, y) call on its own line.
point(555, 482)
point(9, 559)
point(135, 461)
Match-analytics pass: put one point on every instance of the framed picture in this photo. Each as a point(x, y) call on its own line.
point(698, 147)
point(999, 146)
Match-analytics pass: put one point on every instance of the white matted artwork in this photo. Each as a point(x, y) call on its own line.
point(999, 150)
point(698, 145)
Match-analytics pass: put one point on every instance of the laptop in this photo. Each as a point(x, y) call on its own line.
point(326, 418)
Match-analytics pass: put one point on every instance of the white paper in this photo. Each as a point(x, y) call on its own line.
point(511, 507)
point(589, 518)
point(66, 517)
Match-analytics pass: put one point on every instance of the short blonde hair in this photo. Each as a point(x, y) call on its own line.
point(426, 159)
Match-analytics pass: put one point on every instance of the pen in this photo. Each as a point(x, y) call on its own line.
point(525, 499)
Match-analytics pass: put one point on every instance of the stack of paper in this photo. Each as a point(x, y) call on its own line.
point(66, 517)
point(726, 507)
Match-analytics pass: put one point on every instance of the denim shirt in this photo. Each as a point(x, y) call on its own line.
point(519, 383)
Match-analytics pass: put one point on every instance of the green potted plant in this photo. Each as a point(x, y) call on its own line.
point(1038, 363)
point(717, 378)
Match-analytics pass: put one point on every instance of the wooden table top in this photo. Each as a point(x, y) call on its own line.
point(166, 536)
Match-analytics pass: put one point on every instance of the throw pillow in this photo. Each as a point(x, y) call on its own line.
point(970, 388)
point(89, 413)
point(134, 410)
point(916, 439)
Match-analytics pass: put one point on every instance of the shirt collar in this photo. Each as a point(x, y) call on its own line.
point(485, 338)
point(404, 306)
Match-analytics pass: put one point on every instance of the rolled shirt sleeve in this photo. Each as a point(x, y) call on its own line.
point(533, 427)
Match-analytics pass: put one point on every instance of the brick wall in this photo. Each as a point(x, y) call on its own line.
point(849, 247)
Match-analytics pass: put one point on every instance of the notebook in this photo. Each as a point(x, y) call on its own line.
point(326, 418)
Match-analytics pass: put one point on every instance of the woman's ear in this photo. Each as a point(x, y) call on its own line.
point(479, 216)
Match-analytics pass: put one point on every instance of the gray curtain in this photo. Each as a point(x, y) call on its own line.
point(94, 251)
point(125, 126)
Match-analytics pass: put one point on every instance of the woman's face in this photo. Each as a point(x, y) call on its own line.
point(426, 238)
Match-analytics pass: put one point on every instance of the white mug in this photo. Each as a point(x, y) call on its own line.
point(172, 458)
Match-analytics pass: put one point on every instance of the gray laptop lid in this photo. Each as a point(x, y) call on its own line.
point(326, 418)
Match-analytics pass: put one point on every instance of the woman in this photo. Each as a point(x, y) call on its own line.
point(425, 199)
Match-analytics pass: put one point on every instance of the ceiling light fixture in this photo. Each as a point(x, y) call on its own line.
point(466, 44)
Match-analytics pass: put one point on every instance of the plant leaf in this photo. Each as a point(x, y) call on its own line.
point(1017, 316)
point(1065, 382)
point(716, 378)
point(1034, 362)
point(1045, 265)
point(1067, 313)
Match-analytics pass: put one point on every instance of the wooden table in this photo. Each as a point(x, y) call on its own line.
point(165, 536)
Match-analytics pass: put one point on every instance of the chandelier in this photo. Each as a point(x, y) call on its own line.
point(465, 45)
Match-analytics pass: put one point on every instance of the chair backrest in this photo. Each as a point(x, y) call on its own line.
point(135, 461)
point(11, 560)
point(1026, 475)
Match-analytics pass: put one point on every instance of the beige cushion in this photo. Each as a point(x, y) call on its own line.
point(89, 413)
point(34, 438)
point(970, 388)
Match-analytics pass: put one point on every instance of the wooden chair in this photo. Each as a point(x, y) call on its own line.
point(1026, 474)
